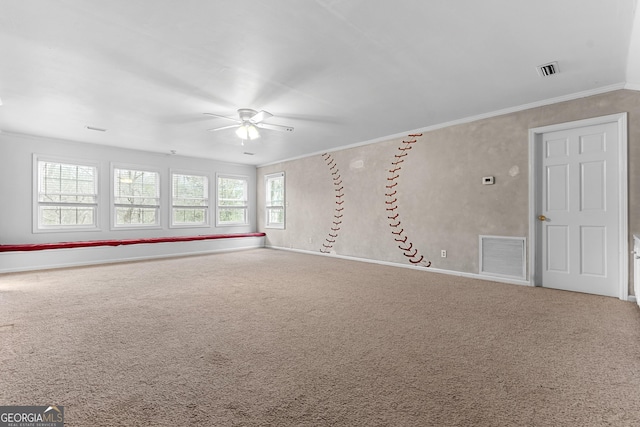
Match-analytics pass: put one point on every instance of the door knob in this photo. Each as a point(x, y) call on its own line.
point(542, 218)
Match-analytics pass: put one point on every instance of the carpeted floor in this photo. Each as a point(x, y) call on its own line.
point(274, 338)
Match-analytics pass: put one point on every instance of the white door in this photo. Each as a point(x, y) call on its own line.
point(579, 218)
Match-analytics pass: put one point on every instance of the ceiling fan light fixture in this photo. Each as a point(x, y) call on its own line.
point(253, 132)
point(248, 131)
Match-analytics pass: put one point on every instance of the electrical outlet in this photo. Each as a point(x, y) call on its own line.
point(443, 253)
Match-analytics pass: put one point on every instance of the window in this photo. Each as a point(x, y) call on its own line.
point(136, 198)
point(190, 200)
point(67, 196)
point(232, 206)
point(274, 204)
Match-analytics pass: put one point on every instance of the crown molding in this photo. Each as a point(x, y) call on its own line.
point(502, 112)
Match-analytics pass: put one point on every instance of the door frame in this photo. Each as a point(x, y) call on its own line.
point(535, 193)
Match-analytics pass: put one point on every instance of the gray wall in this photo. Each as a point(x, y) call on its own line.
point(16, 183)
point(442, 203)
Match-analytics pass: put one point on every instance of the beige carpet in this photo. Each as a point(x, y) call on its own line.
point(273, 338)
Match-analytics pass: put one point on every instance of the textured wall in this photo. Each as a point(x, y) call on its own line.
point(432, 182)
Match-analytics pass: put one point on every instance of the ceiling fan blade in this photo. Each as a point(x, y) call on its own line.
point(223, 117)
point(223, 127)
point(260, 116)
point(274, 127)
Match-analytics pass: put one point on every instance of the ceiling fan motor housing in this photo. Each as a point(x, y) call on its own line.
point(251, 118)
point(246, 114)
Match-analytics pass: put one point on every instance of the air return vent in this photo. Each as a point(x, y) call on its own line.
point(502, 256)
point(548, 69)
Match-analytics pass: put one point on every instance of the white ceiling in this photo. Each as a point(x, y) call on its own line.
point(341, 72)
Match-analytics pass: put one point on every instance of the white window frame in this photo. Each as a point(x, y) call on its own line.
point(156, 206)
point(37, 227)
point(269, 205)
point(206, 207)
point(244, 207)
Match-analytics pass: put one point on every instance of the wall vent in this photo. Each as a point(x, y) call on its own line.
point(548, 69)
point(503, 256)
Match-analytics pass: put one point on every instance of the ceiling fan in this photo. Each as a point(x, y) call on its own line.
point(248, 122)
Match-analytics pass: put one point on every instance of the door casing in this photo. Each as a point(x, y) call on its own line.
point(535, 192)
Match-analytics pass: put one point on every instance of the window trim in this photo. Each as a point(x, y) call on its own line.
point(207, 210)
point(268, 206)
point(112, 197)
point(245, 207)
point(35, 215)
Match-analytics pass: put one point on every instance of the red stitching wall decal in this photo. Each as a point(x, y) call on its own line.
point(391, 204)
point(337, 211)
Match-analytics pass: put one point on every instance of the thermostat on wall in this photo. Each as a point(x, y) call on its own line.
point(488, 180)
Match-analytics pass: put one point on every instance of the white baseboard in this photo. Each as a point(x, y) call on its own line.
point(426, 269)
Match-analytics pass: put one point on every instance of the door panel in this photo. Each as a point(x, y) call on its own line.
point(593, 244)
point(592, 143)
point(557, 188)
point(558, 248)
point(557, 148)
point(592, 186)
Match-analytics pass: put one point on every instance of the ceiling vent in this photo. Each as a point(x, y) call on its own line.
point(96, 129)
point(548, 69)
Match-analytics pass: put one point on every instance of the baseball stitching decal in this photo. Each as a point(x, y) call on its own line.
point(391, 204)
point(337, 212)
